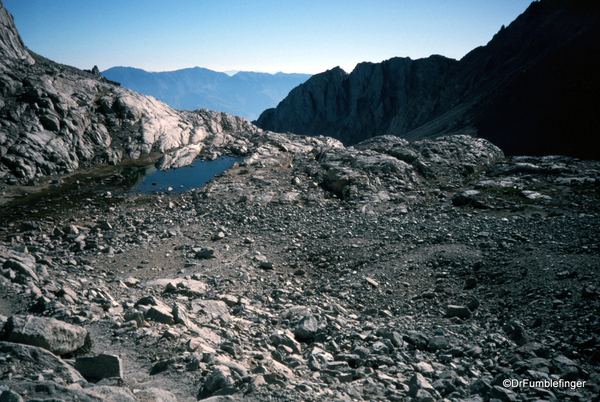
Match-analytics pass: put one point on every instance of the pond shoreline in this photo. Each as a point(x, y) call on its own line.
point(100, 185)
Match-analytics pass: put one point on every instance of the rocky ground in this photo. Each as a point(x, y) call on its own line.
point(311, 272)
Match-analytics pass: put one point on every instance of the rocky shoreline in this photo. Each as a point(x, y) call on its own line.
point(434, 270)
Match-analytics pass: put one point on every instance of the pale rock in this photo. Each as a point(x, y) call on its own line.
point(56, 336)
point(160, 314)
point(154, 395)
point(212, 309)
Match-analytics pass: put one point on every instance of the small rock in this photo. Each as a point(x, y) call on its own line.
point(266, 265)
point(503, 394)
point(457, 311)
point(161, 314)
point(471, 283)
point(131, 281)
point(218, 379)
point(306, 328)
point(286, 338)
point(212, 309)
point(438, 343)
point(98, 367)
point(418, 382)
point(372, 282)
point(205, 253)
point(218, 236)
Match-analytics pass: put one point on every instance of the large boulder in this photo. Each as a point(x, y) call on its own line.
point(56, 336)
point(211, 310)
point(38, 360)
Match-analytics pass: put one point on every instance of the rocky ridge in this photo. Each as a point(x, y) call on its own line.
point(11, 44)
point(529, 90)
point(310, 271)
point(399, 92)
point(56, 119)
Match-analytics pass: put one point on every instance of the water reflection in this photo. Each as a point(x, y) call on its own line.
point(148, 179)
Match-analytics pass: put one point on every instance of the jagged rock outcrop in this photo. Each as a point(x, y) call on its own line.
point(11, 44)
point(55, 118)
point(363, 104)
point(529, 90)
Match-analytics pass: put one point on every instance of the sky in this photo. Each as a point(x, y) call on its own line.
point(308, 36)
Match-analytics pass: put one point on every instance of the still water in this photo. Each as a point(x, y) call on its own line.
point(148, 179)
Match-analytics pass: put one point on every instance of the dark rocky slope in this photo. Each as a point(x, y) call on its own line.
point(530, 90)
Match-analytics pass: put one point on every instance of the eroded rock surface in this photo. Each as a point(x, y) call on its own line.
point(56, 119)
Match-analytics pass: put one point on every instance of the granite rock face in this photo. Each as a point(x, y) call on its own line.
point(11, 44)
point(56, 119)
point(507, 91)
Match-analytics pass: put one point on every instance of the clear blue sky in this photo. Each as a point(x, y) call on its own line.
point(307, 36)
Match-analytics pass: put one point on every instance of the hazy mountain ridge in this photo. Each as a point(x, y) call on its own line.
point(529, 90)
point(244, 94)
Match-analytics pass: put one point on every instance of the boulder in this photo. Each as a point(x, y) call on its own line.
point(99, 367)
point(161, 314)
point(458, 311)
point(23, 264)
point(56, 336)
point(307, 327)
point(38, 360)
point(211, 309)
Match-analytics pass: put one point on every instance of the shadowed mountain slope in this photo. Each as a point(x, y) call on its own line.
point(530, 90)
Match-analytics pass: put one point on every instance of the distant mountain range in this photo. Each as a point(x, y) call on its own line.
point(533, 89)
point(244, 93)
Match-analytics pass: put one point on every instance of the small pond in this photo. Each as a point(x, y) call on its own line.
point(148, 179)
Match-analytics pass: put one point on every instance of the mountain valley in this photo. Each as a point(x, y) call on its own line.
point(440, 269)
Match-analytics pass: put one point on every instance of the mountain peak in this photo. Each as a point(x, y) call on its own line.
point(11, 44)
point(530, 90)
